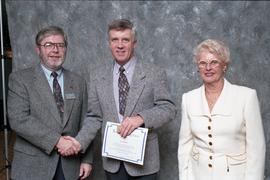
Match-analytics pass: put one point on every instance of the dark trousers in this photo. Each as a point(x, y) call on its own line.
point(123, 175)
point(59, 174)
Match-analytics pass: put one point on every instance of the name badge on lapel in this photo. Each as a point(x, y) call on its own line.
point(70, 96)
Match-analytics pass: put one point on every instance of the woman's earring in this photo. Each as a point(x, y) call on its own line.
point(225, 69)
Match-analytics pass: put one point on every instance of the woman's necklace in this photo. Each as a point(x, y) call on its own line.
point(212, 99)
point(212, 94)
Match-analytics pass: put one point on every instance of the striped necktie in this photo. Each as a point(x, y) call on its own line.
point(123, 90)
point(58, 95)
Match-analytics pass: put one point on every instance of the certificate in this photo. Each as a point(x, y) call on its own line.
point(130, 149)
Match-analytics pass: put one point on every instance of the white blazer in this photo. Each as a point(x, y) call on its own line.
point(225, 144)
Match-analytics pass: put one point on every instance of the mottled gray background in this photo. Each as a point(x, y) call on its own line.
point(167, 33)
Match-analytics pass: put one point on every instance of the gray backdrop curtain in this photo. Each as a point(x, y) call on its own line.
point(167, 33)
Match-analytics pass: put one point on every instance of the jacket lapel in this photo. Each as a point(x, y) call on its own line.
point(136, 88)
point(205, 109)
point(198, 103)
point(42, 87)
point(223, 104)
point(69, 95)
point(106, 87)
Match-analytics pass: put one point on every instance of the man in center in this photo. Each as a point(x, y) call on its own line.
point(133, 93)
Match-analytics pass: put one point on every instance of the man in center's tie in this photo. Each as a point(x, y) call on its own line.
point(133, 93)
point(123, 90)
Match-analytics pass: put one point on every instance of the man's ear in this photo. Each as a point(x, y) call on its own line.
point(37, 50)
point(135, 43)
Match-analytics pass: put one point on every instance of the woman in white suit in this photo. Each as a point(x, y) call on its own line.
point(221, 135)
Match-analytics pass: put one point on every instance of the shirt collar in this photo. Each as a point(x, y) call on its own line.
point(49, 72)
point(127, 66)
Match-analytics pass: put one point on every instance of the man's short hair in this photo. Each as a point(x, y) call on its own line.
point(122, 24)
point(49, 31)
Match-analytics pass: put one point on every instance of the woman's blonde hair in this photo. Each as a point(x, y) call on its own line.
point(217, 47)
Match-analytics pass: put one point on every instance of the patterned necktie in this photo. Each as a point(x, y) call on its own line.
point(58, 95)
point(123, 90)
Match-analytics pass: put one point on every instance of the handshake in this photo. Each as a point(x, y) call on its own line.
point(67, 146)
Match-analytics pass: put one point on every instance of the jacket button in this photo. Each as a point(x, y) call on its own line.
point(210, 165)
point(211, 157)
point(209, 127)
point(210, 143)
point(210, 120)
point(210, 135)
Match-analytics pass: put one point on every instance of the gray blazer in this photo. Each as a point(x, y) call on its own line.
point(148, 96)
point(34, 116)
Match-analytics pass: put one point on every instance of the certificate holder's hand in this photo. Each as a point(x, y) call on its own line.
point(85, 170)
point(129, 124)
point(70, 146)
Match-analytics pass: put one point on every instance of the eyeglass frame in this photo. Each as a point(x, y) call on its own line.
point(213, 64)
point(53, 45)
